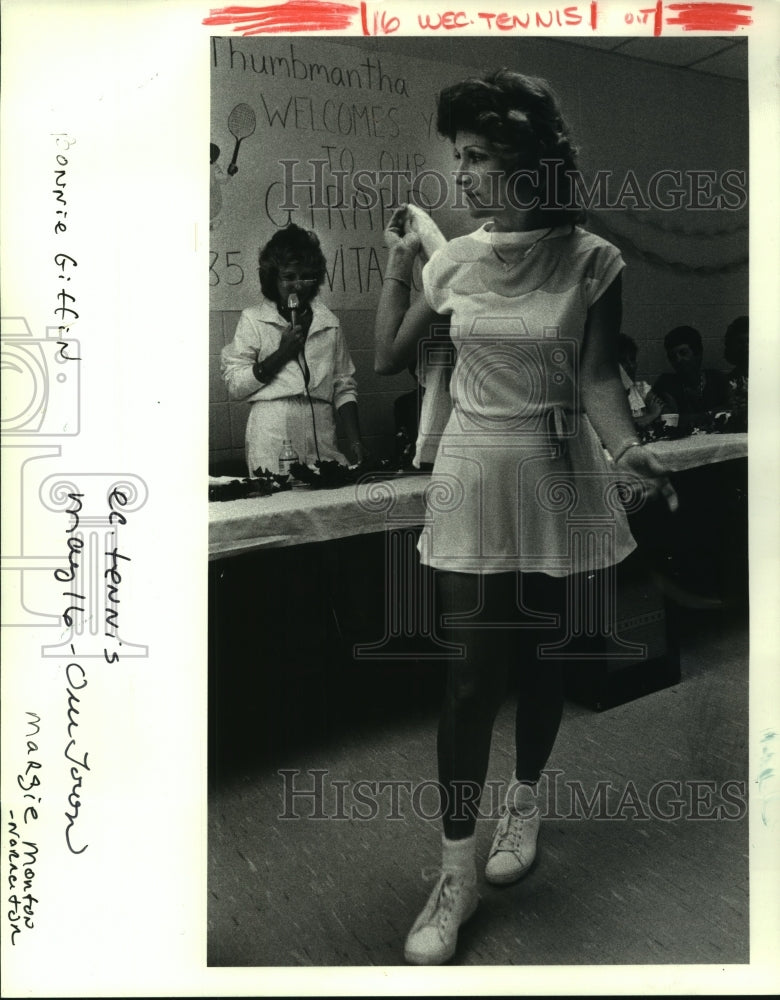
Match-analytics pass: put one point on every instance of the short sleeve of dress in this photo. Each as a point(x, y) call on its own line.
point(605, 263)
point(434, 279)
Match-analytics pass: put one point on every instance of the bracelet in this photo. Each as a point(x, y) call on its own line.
point(402, 281)
point(260, 373)
point(624, 449)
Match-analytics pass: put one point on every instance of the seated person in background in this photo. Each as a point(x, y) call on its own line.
point(645, 405)
point(692, 391)
point(736, 352)
point(292, 364)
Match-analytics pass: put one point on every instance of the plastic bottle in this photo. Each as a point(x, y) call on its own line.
point(288, 456)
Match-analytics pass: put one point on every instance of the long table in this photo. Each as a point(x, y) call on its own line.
point(320, 574)
point(301, 516)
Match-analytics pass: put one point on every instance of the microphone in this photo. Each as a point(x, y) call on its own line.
point(293, 303)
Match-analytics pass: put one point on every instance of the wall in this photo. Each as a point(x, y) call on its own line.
point(626, 115)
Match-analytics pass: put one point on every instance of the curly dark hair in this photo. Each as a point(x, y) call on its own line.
point(684, 335)
point(521, 118)
point(291, 245)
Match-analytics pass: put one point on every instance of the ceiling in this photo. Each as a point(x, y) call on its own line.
point(719, 56)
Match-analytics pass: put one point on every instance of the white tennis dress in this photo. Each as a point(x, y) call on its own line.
point(521, 480)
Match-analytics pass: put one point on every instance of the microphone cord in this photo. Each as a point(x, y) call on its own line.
point(305, 372)
point(306, 377)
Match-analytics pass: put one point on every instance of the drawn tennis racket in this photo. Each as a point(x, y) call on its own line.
point(241, 123)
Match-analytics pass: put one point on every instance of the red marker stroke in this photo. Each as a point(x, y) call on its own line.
point(710, 16)
point(292, 15)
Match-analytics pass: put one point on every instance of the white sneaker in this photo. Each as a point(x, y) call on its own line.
point(434, 934)
point(514, 848)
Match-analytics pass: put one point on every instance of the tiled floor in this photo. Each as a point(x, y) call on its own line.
point(625, 886)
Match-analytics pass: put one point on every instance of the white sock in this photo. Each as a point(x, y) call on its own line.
point(521, 798)
point(458, 857)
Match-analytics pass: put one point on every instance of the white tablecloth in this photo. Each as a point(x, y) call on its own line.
point(302, 515)
point(298, 516)
point(699, 449)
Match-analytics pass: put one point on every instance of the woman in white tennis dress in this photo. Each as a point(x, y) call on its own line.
point(523, 499)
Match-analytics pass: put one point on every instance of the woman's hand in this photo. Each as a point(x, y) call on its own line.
point(294, 337)
point(646, 466)
point(653, 402)
point(359, 453)
point(400, 324)
point(399, 236)
point(422, 225)
point(653, 407)
point(292, 341)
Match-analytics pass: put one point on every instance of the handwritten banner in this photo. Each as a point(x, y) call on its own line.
point(335, 138)
point(599, 16)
